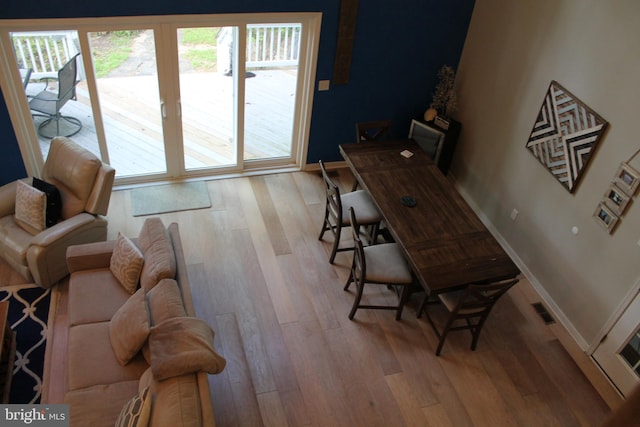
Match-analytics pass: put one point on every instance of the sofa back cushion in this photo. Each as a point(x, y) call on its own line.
point(176, 401)
point(159, 257)
point(165, 301)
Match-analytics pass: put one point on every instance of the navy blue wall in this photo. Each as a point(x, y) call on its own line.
point(399, 47)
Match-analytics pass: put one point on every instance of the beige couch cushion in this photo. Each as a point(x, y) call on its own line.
point(94, 296)
point(129, 328)
point(165, 301)
point(183, 345)
point(159, 258)
point(99, 406)
point(126, 263)
point(92, 361)
point(176, 401)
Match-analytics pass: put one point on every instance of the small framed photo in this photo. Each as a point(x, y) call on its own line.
point(605, 217)
point(616, 199)
point(627, 179)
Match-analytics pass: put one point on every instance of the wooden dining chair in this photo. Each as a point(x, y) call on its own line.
point(382, 264)
point(471, 305)
point(371, 131)
point(336, 213)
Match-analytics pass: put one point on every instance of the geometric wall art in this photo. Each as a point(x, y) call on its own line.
point(565, 135)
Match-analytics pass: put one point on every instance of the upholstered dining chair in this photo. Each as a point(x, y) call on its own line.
point(371, 131)
point(382, 264)
point(468, 309)
point(336, 213)
point(35, 243)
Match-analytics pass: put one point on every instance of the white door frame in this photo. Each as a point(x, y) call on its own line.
point(19, 110)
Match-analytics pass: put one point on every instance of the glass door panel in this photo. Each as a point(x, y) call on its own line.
point(126, 78)
point(207, 97)
point(54, 82)
point(272, 55)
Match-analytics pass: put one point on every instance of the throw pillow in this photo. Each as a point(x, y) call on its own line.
point(129, 328)
point(136, 412)
point(183, 345)
point(54, 201)
point(30, 213)
point(126, 263)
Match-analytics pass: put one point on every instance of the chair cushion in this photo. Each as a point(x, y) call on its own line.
point(31, 208)
point(136, 412)
point(129, 328)
point(366, 211)
point(54, 201)
point(126, 263)
point(386, 264)
point(451, 299)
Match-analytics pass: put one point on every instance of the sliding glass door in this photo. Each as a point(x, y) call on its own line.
point(172, 97)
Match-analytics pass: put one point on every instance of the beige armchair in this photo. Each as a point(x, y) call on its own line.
point(85, 185)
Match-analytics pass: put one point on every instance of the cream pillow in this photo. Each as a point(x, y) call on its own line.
point(136, 412)
point(126, 263)
point(129, 328)
point(31, 208)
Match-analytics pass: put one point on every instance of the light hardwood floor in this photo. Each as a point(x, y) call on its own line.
point(261, 279)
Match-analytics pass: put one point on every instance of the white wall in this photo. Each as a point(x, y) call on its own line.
point(513, 51)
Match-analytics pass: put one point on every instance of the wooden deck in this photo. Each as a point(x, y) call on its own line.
point(134, 127)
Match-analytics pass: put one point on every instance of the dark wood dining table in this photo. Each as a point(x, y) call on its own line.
point(444, 241)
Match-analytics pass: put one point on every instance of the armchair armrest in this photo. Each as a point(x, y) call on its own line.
point(62, 229)
point(46, 256)
point(90, 255)
point(8, 199)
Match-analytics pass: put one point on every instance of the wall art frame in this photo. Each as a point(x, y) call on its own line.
point(565, 135)
point(605, 217)
point(616, 199)
point(628, 179)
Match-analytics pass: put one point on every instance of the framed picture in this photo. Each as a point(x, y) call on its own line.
point(605, 217)
point(627, 179)
point(616, 199)
point(565, 135)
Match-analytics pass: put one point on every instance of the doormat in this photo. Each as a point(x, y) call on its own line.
point(159, 199)
point(27, 317)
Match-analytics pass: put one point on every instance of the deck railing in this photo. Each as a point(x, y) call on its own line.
point(45, 52)
point(268, 45)
point(273, 45)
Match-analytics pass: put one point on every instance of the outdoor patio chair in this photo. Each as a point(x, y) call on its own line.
point(48, 103)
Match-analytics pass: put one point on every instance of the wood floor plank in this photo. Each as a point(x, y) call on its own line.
point(295, 359)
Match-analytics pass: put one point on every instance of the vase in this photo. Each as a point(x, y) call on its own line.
point(430, 114)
